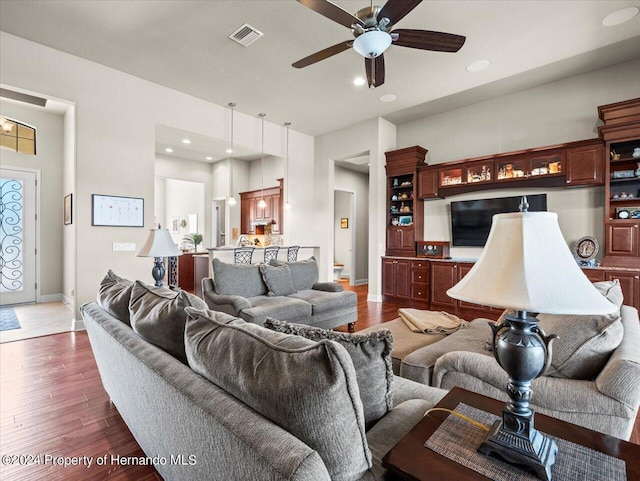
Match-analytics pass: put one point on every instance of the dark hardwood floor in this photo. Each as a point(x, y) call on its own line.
point(52, 404)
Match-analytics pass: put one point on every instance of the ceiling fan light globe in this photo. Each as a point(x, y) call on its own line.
point(372, 44)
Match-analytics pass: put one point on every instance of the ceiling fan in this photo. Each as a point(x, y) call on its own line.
point(371, 27)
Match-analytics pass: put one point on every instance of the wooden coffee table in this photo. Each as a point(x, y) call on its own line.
point(410, 460)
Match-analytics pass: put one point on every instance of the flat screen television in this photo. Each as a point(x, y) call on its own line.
point(471, 219)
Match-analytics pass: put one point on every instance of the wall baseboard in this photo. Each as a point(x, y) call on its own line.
point(374, 298)
point(360, 282)
point(67, 301)
point(77, 325)
point(50, 298)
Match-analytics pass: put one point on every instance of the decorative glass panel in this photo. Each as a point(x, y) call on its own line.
point(11, 228)
point(17, 137)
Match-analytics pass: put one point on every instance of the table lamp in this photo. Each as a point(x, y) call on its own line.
point(526, 266)
point(159, 245)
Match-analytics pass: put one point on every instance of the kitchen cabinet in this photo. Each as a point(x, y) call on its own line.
point(420, 280)
point(253, 217)
point(630, 283)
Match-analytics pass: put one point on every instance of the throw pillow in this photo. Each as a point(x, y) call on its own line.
point(114, 295)
point(307, 388)
point(371, 357)
point(237, 279)
point(277, 279)
point(585, 342)
point(303, 273)
point(158, 315)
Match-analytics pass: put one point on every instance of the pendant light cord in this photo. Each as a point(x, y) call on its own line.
point(232, 105)
point(262, 160)
point(286, 168)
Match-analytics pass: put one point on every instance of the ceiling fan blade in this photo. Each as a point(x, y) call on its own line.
point(395, 10)
point(332, 12)
point(375, 71)
point(428, 40)
point(322, 54)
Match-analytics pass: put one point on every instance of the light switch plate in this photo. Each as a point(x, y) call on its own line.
point(124, 247)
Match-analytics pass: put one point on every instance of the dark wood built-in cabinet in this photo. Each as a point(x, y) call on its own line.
point(405, 213)
point(621, 133)
point(423, 283)
point(565, 165)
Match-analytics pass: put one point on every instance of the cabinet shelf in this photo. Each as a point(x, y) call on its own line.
point(624, 179)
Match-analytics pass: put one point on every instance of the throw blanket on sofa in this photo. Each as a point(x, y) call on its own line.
point(431, 322)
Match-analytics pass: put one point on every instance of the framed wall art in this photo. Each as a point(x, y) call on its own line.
point(117, 211)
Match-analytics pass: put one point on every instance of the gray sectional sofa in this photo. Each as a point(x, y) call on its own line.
point(288, 291)
point(247, 402)
point(593, 381)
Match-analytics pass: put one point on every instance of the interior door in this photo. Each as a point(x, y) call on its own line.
point(17, 236)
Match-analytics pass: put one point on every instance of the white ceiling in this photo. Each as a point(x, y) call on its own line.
point(184, 45)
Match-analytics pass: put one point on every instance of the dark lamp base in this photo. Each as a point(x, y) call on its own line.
point(534, 453)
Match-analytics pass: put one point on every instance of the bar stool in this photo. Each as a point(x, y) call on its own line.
point(270, 252)
point(292, 253)
point(243, 255)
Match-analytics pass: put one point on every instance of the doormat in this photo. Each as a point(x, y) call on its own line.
point(8, 319)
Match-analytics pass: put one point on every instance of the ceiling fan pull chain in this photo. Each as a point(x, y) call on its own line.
point(373, 73)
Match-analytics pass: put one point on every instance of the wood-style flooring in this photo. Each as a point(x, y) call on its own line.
point(52, 404)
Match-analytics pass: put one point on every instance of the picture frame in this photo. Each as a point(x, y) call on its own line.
point(67, 209)
point(405, 220)
point(175, 225)
point(116, 211)
point(344, 223)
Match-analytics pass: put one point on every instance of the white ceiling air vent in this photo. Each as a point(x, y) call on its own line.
point(246, 35)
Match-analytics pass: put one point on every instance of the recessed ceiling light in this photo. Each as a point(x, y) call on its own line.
point(358, 81)
point(620, 16)
point(186, 141)
point(168, 149)
point(387, 98)
point(229, 150)
point(208, 157)
point(477, 66)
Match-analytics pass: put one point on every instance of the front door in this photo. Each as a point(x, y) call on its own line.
point(17, 236)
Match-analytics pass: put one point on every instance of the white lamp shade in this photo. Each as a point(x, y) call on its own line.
point(372, 44)
point(526, 265)
point(159, 244)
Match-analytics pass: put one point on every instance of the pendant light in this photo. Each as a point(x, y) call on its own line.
point(262, 204)
point(287, 206)
point(232, 200)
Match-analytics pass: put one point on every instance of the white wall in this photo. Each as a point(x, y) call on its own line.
point(49, 160)
point(375, 136)
point(358, 183)
point(557, 112)
point(190, 171)
point(342, 235)
point(69, 232)
point(117, 157)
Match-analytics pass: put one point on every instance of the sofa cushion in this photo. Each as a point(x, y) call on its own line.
point(238, 279)
point(418, 366)
point(277, 279)
point(371, 357)
point(158, 315)
point(114, 295)
point(322, 301)
point(303, 273)
point(307, 388)
point(283, 308)
point(585, 342)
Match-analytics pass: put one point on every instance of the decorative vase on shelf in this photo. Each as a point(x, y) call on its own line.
point(636, 153)
point(638, 170)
